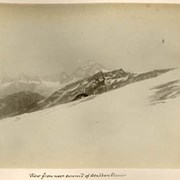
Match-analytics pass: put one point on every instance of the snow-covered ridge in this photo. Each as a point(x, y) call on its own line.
point(92, 85)
point(96, 84)
point(120, 128)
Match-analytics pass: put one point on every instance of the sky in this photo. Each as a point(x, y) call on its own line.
point(46, 39)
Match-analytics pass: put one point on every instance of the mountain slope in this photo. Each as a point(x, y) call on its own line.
point(18, 103)
point(96, 84)
point(120, 128)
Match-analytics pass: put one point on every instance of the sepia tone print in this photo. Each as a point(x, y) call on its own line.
point(89, 86)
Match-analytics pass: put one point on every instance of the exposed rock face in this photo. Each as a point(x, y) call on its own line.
point(96, 84)
point(26, 101)
point(169, 90)
point(80, 96)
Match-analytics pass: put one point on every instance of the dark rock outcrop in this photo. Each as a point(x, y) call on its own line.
point(80, 96)
point(18, 103)
point(96, 84)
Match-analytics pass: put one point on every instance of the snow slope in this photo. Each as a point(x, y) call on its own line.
point(120, 128)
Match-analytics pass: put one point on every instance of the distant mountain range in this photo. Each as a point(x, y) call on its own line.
point(85, 70)
point(45, 85)
point(31, 93)
point(9, 85)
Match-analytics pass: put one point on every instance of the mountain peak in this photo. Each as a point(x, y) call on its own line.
point(91, 63)
point(4, 78)
point(88, 68)
point(23, 77)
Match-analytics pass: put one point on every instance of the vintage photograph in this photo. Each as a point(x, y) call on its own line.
point(90, 86)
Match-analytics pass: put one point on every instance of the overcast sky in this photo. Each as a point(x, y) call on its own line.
point(45, 39)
